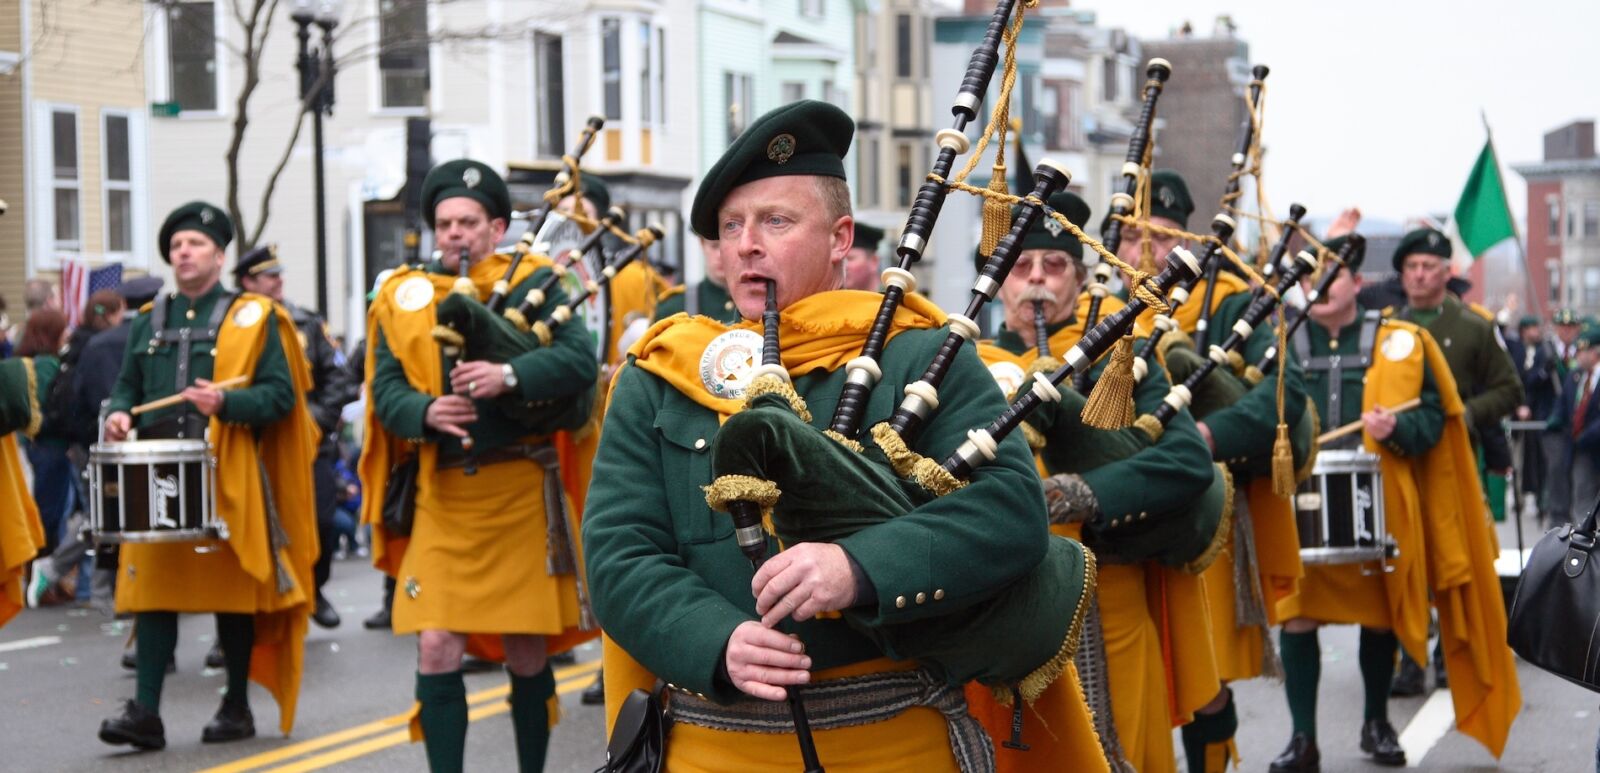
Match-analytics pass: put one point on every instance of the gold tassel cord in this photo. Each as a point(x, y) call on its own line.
point(1110, 403)
point(996, 213)
point(1282, 450)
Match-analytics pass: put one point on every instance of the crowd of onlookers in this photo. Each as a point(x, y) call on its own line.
point(1558, 362)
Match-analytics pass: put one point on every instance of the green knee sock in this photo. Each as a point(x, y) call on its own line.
point(1207, 730)
point(156, 638)
point(1377, 670)
point(444, 720)
point(236, 633)
point(1302, 669)
point(530, 717)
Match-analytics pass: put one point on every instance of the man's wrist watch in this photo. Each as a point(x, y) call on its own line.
point(509, 376)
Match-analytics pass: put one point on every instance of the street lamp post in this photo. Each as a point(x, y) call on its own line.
point(316, 92)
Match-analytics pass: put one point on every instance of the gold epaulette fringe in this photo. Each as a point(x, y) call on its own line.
point(1034, 684)
point(772, 385)
point(853, 445)
point(541, 330)
point(735, 488)
point(1151, 426)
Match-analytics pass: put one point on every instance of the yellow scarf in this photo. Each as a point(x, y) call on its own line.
point(1459, 553)
point(820, 332)
point(409, 335)
point(287, 448)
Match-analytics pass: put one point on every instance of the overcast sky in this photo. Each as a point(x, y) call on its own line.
point(1377, 103)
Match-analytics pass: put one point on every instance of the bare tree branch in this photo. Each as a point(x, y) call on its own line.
point(272, 179)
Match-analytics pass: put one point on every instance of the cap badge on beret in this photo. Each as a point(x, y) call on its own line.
point(1433, 238)
point(1052, 226)
point(781, 148)
point(471, 176)
point(206, 215)
point(1169, 199)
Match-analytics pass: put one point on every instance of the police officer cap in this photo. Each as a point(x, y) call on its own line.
point(867, 238)
point(1169, 197)
point(1426, 241)
point(262, 259)
point(1047, 234)
point(1564, 317)
point(196, 216)
point(1353, 264)
point(465, 178)
point(802, 138)
point(138, 292)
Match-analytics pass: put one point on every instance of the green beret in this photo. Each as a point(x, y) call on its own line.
point(595, 190)
point(801, 138)
point(261, 260)
point(867, 237)
point(1047, 234)
point(1353, 265)
point(196, 216)
point(1589, 337)
point(1564, 317)
point(1169, 197)
point(1426, 241)
point(465, 178)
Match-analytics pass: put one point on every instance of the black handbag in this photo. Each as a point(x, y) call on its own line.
point(1555, 619)
point(400, 498)
point(639, 739)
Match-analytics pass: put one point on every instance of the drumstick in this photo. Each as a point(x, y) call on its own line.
point(171, 400)
point(1355, 426)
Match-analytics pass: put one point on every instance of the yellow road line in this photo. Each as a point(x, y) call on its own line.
point(568, 679)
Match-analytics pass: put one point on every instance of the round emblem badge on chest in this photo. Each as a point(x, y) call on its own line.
point(1399, 345)
point(414, 294)
point(728, 362)
point(247, 315)
point(1008, 375)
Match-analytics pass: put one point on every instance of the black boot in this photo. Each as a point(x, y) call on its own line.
point(215, 658)
point(380, 621)
point(1410, 681)
point(233, 722)
point(1382, 743)
point(1300, 757)
point(325, 615)
point(136, 725)
point(595, 693)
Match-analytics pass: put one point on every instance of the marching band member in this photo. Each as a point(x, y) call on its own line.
point(21, 533)
point(490, 547)
point(259, 582)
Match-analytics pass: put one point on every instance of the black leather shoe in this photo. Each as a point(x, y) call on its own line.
point(566, 658)
point(1382, 743)
point(136, 725)
point(1441, 679)
point(215, 658)
point(233, 722)
point(1410, 681)
point(325, 616)
point(595, 693)
point(379, 621)
point(1300, 757)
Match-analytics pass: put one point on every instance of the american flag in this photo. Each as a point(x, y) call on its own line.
point(78, 282)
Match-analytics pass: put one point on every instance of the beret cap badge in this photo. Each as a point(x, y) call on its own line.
point(781, 148)
point(1052, 226)
point(206, 215)
point(471, 176)
point(1169, 199)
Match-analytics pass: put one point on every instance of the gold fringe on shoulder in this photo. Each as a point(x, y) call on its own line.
point(1110, 403)
point(1034, 684)
point(1224, 533)
point(913, 466)
point(1151, 426)
point(853, 445)
point(772, 385)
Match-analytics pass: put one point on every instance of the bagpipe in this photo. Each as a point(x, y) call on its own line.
point(1352, 251)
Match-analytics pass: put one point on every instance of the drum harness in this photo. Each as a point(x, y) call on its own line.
point(1336, 364)
point(186, 338)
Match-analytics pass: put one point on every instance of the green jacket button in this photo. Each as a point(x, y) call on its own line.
point(921, 597)
point(900, 602)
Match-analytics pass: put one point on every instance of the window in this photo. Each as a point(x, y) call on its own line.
point(793, 91)
point(903, 175)
point(739, 102)
point(549, 93)
point(64, 176)
point(902, 45)
point(1591, 218)
point(1110, 80)
point(192, 54)
point(1591, 286)
point(813, 9)
point(611, 66)
point(646, 69)
point(1552, 270)
point(661, 75)
point(1553, 231)
point(868, 173)
point(403, 53)
point(1572, 221)
point(118, 184)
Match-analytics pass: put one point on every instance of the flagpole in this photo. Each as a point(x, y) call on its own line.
point(1535, 300)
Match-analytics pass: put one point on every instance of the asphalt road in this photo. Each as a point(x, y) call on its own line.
point(59, 676)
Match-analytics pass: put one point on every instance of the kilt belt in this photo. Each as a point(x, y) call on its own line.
point(847, 702)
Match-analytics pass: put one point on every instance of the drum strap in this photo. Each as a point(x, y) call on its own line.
point(186, 338)
point(1094, 677)
point(1335, 364)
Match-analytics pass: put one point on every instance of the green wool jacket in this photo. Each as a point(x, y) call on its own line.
point(1415, 431)
point(1164, 478)
point(1245, 431)
point(669, 582)
point(150, 369)
point(714, 303)
point(1485, 376)
point(556, 384)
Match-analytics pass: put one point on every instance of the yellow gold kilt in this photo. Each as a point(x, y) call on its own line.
point(476, 560)
point(173, 577)
point(1346, 593)
point(1134, 664)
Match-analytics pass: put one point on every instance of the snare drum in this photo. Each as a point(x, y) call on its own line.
point(1339, 510)
point(154, 491)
